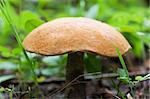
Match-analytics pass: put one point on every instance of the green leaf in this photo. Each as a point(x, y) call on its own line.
point(6, 77)
point(121, 72)
point(8, 66)
point(122, 62)
point(33, 23)
point(127, 28)
point(145, 37)
point(119, 19)
point(26, 16)
point(15, 2)
point(123, 76)
point(5, 51)
point(92, 12)
point(124, 80)
point(41, 79)
point(139, 78)
point(136, 42)
point(43, 3)
point(16, 51)
point(81, 8)
point(2, 89)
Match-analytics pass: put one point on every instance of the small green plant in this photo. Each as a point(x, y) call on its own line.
point(4, 7)
point(7, 90)
point(124, 75)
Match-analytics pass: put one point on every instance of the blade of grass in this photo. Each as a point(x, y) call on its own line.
point(122, 62)
point(126, 70)
point(4, 10)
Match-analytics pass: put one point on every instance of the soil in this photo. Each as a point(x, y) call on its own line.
point(100, 88)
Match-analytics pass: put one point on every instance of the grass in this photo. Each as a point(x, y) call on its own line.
point(124, 75)
point(4, 7)
point(122, 62)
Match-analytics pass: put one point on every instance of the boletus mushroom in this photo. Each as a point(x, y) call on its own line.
point(75, 35)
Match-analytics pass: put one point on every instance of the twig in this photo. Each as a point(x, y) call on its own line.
point(94, 76)
point(113, 75)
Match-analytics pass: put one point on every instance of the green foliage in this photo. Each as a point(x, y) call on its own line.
point(124, 75)
point(32, 24)
point(56, 65)
point(5, 52)
point(29, 20)
point(8, 66)
point(16, 52)
point(6, 77)
point(19, 17)
point(141, 78)
point(125, 71)
point(130, 23)
point(92, 12)
point(92, 63)
point(5, 9)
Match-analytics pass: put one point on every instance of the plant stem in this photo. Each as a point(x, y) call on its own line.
point(75, 68)
point(122, 62)
point(4, 9)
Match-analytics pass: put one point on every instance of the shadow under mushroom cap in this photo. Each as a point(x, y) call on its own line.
point(71, 34)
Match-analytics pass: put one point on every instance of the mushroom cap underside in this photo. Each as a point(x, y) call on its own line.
point(71, 34)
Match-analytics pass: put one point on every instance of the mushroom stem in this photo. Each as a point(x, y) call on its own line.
point(74, 68)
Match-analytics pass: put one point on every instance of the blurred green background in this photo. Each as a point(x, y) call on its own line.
point(130, 17)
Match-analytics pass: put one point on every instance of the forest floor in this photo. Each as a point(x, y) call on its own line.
point(103, 86)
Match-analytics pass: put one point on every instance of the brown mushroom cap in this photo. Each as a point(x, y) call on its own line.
point(71, 34)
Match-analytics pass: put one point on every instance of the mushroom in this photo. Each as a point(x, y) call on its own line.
point(75, 35)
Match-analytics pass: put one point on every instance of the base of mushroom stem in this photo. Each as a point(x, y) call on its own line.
point(76, 91)
point(75, 68)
